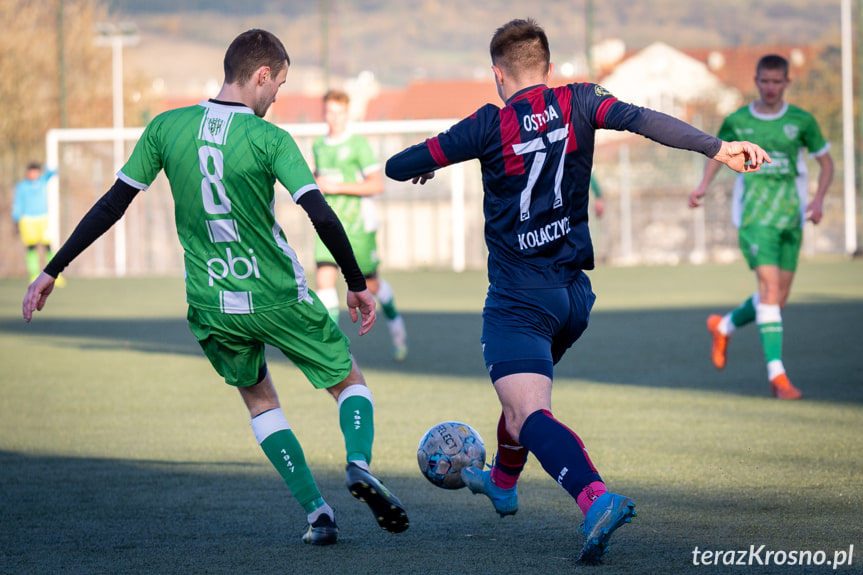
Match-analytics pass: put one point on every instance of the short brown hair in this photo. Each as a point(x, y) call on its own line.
point(772, 62)
point(520, 45)
point(252, 50)
point(339, 96)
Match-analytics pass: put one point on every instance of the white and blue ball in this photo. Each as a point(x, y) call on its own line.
point(446, 449)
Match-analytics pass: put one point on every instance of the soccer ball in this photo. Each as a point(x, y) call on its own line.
point(446, 449)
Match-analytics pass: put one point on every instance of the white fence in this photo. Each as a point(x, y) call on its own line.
point(436, 226)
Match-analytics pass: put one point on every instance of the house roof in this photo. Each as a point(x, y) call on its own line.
point(735, 66)
point(296, 108)
point(430, 99)
point(668, 80)
point(719, 69)
point(383, 106)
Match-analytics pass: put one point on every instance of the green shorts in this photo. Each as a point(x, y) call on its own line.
point(304, 332)
point(365, 246)
point(765, 246)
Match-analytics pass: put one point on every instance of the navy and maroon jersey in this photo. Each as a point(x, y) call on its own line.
point(536, 155)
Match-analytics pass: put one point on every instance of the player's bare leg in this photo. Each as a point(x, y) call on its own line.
point(395, 323)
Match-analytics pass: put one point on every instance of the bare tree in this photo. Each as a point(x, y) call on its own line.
point(30, 87)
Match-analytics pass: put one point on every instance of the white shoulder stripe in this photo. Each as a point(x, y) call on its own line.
point(135, 184)
point(822, 151)
point(302, 191)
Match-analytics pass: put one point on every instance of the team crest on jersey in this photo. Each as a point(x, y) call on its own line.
point(600, 91)
point(214, 125)
point(791, 131)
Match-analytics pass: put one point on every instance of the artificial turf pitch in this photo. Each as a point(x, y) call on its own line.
point(121, 451)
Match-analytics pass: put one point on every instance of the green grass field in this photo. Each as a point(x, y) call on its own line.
point(121, 451)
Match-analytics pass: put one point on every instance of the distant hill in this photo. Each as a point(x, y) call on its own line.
point(400, 40)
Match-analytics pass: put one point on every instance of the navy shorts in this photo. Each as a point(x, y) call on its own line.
point(529, 330)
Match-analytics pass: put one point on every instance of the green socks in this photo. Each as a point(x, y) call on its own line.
point(745, 313)
point(33, 263)
point(282, 448)
point(356, 419)
point(280, 445)
point(386, 299)
point(390, 309)
point(770, 326)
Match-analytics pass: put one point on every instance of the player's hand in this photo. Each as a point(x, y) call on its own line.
point(326, 185)
point(695, 197)
point(742, 157)
point(37, 293)
point(815, 211)
point(361, 306)
point(423, 178)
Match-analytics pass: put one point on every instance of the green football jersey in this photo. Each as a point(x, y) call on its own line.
point(222, 162)
point(776, 195)
point(347, 160)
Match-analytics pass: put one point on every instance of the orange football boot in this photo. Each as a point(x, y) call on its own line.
point(781, 388)
point(720, 342)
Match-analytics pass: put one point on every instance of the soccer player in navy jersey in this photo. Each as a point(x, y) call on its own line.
point(536, 155)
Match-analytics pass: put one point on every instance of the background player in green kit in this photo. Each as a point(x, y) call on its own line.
point(770, 209)
point(244, 285)
point(348, 173)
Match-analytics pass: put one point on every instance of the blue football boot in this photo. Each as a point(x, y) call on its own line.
point(505, 501)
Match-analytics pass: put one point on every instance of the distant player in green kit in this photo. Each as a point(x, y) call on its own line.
point(770, 209)
point(244, 285)
point(348, 173)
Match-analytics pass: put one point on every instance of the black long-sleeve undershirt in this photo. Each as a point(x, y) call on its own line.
point(657, 126)
point(332, 234)
point(96, 222)
point(662, 128)
point(111, 207)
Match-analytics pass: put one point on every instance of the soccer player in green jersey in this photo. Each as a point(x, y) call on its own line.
point(348, 173)
point(770, 209)
point(244, 285)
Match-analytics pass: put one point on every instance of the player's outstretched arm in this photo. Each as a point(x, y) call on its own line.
point(415, 164)
point(370, 185)
point(742, 156)
point(96, 222)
